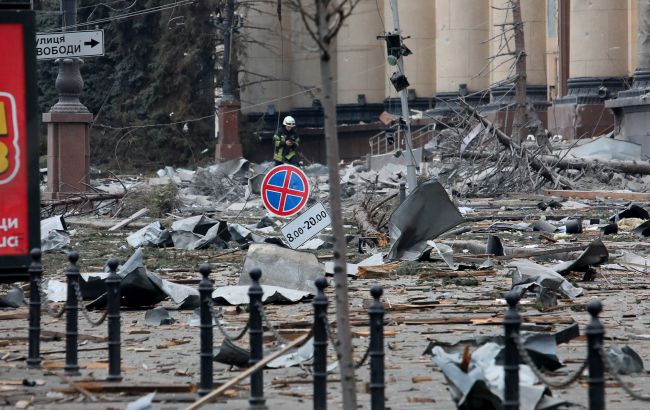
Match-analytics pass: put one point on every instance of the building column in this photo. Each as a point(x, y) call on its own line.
point(461, 52)
point(360, 65)
point(502, 96)
point(598, 68)
point(417, 21)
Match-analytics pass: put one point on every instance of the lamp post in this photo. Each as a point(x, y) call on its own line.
point(68, 124)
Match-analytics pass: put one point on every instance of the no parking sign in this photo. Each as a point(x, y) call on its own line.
point(285, 190)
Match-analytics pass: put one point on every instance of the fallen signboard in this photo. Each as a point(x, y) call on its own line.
point(306, 226)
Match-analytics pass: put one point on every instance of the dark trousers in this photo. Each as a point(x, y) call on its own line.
point(292, 161)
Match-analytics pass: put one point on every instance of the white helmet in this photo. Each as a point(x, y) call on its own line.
point(289, 121)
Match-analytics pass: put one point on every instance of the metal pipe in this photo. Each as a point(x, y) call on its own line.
point(71, 367)
point(207, 337)
point(35, 273)
point(113, 316)
point(511, 324)
point(320, 345)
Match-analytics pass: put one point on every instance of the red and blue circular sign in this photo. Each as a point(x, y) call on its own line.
point(285, 190)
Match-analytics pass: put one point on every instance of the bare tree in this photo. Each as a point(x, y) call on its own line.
point(323, 20)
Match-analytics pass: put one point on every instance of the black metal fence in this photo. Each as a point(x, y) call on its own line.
point(515, 353)
point(209, 319)
point(597, 360)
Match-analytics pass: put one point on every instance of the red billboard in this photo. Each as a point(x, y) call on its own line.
point(19, 191)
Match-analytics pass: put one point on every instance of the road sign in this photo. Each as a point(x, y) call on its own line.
point(83, 43)
point(306, 226)
point(285, 190)
point(19, 175)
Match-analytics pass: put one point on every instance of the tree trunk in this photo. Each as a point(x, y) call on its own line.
point(348, 381)
point(518, 124)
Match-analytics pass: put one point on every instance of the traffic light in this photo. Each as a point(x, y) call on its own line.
point(399, 81)
point(394, 47)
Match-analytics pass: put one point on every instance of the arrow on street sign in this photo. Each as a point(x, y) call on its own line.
point(92, 43)
point(85, 43)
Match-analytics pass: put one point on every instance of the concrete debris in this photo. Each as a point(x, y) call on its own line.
point(14, 298)
point(282, 267)
point(426, 213)
point(605, 148)
point(158, 316)
point(625, 360)
point(143, 403)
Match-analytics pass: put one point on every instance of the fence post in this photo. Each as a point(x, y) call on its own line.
point(205, 292)
point(376, 352)
point(256, 400)
point(402, 192)
point(35, 273)
point(511, 323)
point(595, 335)
point(71, 367)
point(320, 345)
point(113, 296)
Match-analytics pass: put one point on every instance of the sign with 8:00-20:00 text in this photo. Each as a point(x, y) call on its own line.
point(306, 226)
point(19, 183)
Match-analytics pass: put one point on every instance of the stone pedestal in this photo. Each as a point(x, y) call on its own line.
point(228, 143)
point(68, 153)
point(582, 113)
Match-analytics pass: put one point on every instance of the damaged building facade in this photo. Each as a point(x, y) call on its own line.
point(585, 59)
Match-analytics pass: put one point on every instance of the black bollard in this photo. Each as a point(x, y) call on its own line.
point(376, 352)
point(402, 192)
point(595, 335)
point(113, 296)
point(205, 292)
point(320, 345)
point(256, 400)
point(71, 367)
point(35, 273)
point(511, 323)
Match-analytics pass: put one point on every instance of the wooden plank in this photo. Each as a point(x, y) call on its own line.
point(130, 219)
point(100, 386)
point(241, 376)
point(622, 195)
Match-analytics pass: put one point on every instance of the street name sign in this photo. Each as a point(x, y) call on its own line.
point(19, 127)
point(85, 43)
point(306, 226)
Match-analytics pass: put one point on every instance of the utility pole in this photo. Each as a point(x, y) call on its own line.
point(411, 179)
point(227, 46)
point(228, 143)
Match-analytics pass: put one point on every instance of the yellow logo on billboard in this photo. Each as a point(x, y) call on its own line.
point(4, 130)
point(9, 138)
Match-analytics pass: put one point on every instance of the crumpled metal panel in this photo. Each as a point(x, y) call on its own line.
point(238, 295)
point(153, 234)
point(425, 214)
point(528, 273)
point(595, 254)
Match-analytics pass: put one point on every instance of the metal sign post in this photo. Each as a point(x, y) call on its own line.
point(19, 122)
